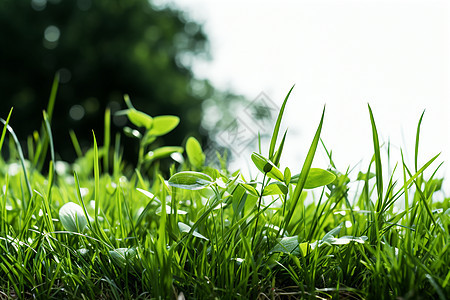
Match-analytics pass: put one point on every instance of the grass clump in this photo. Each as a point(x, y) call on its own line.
point(87, 231)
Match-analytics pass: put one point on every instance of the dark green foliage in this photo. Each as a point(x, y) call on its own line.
point(105, 49)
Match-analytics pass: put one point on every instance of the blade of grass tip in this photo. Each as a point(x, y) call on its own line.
point(52, 99)
point(4, 129)
point(50, 136)
point(259, 143)
point(42, 146)
point(418, 173)
point(405, 188)
point(76, 144)
point(97, 181)
point(277, 158)
point(128, 101)
point(277, 125)
point(22, 160)
point(100, 232)
point(30, 148)
point(305, 170)
point(46, 199)
point(329, 154)
point(378, 167)
point(107, 140)
point(52, 173)
point(423, 197)
point(80, 198)
point(117, 157)
point(416, 151)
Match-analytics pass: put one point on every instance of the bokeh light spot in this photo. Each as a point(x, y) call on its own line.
point(76, 112)
point(51, 34)
point(39, 5)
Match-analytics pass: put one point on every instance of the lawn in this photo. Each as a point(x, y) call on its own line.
point(93, 230)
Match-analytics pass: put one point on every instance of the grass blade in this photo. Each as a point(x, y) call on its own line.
point(97, 181)
point(106, 139)
point(416, 152)
point(277, 126)
point(305, 170)
point(76, 144)
point(377, 158)
point(5, 128)
point(52, 99)
point(22, 160)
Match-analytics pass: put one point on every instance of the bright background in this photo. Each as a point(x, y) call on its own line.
point(345, 54)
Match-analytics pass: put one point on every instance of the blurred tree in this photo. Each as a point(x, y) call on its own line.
point(102, 49)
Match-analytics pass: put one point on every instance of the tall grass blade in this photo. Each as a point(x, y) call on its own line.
point(276, 129)
point(107, 138)
point(416, 149)
point(52, 99)
point(76, 144)
point(97, 182)
point(304, 172)
point(50, 136)
point(5, 128)
point(377, 158)
point(277, 158)
point(22, 161)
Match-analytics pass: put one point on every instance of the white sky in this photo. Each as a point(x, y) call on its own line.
point(393, 54)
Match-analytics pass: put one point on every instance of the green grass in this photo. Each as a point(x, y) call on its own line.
point(206, 232)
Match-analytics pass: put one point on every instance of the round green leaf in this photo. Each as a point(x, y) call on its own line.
point(250, 189)
point(72, 217)
point(190, 180)
point(194, 152)
point(316, 177)
point(121, 256)
point(163, 125)
point(267, 167)
point(139, 118)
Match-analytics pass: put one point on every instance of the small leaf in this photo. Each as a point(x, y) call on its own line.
point(365, 176)
point(163, 125)
point(250, 189)
point(275, 188)
point(287, 175)
point(316, 177)
point(194, 152)
point(329, 236)
point(71, 215)
point(184, 228)
point(190, 180)
point(121, 256)
point(266, 166)
point(139, 118)
point(162, 152)
point(287, 245)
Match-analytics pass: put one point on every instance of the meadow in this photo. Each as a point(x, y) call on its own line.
point(93, 230)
